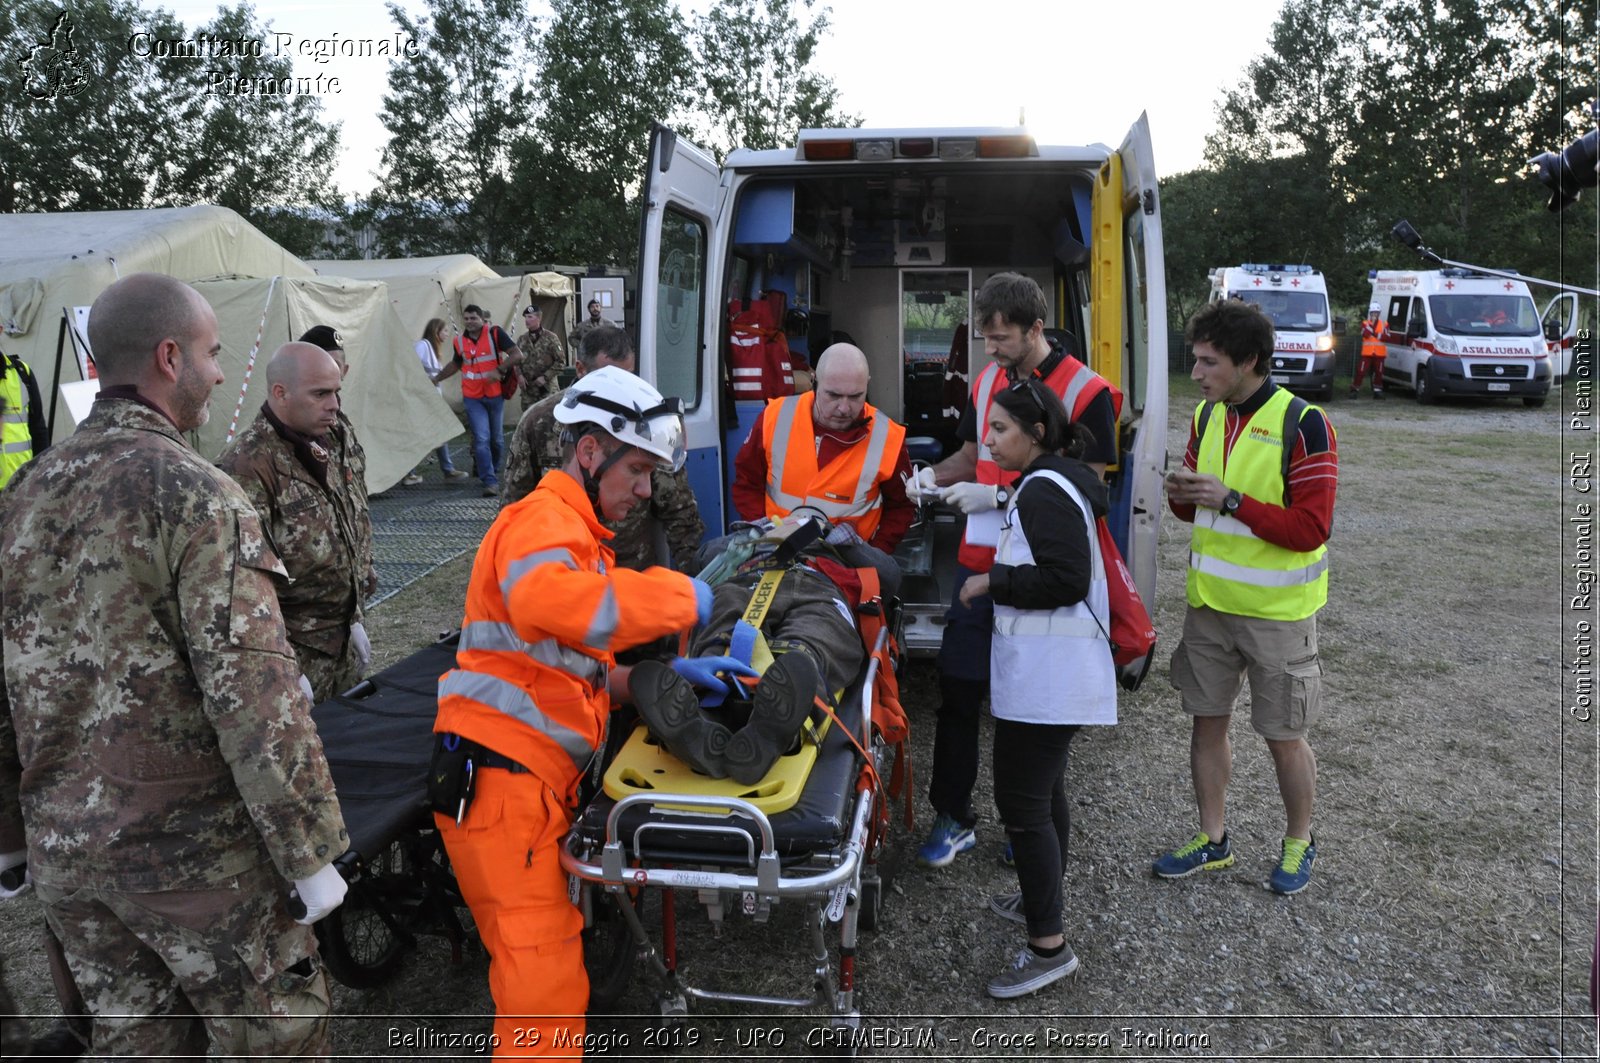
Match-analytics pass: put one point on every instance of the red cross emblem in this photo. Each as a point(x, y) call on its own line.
point(1508, 286)
point(1257, 282)
point(1449, 284)
point(1295, 283)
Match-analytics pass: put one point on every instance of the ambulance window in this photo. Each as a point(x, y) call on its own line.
point(1136, 304)
point(680, 295)
point(1399, 307)
point(1418, 324)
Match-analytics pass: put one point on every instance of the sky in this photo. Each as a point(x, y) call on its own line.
point(1075, 71)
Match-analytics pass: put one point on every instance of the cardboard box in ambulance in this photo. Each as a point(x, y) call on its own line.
point(882, 236)
point(1566, 318)
point(1457, 332)
point(1296, 299)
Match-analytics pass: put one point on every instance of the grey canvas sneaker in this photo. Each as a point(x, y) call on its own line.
point(1009, 906)
point(1031, 972)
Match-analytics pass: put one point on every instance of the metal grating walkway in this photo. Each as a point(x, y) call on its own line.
point(417, 529)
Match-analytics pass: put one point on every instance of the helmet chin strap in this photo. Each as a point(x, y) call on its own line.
point(591, 480)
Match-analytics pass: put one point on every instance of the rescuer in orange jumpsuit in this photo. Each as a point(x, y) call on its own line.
point(1374, 331)
point(524, 711)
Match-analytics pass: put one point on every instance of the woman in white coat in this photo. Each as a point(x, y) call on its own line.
point(1050, 662)
point(432, 344)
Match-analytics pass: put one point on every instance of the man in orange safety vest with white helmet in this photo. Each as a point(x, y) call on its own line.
point(524, 711)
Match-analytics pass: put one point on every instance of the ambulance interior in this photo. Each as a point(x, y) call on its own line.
point(890, 261)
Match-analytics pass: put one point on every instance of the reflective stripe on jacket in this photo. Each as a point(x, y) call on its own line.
point(480, 365)
point(546, 612)
point(847, 489)
point(1372, 339)
point(1074, 382)
point(1231, 569)
point(16, 441)
point(1052, 666)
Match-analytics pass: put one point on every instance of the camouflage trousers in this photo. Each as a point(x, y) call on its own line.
point(329, 675)
point(222, 971)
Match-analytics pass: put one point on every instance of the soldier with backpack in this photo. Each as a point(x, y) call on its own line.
point(1258, 482)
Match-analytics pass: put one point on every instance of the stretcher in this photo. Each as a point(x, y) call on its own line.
point(378, 738)
point(740, 851)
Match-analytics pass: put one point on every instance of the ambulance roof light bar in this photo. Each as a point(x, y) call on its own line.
point(839, 146)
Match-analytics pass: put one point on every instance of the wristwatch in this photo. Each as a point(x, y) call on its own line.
point(1231, 503)
point(1002, 495)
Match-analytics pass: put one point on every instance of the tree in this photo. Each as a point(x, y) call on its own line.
point(451, 111)
point(266, 154)
point(758, 87)
point(608, 69)
point(115, 125)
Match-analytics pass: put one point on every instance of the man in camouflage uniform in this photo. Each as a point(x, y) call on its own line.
point(351, 462)
point(542, 357)
point(588, 325)
point(286, 462)
point(536, 449)
point(154, 742)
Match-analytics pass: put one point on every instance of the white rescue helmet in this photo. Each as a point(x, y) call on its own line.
point(1375, 308)
point(628, 409)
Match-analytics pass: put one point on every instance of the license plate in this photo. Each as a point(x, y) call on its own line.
point(1278, 378)
point(1499, 387)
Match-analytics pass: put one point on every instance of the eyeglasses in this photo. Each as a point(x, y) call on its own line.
point(1033, 388)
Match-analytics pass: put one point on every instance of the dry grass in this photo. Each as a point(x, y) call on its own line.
point(1453, 907)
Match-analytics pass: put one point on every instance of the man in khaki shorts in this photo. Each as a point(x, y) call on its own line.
point(1258, 482)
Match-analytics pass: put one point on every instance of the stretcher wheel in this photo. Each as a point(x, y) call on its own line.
point(871, 901)
point(608, 953)
point(358, 947)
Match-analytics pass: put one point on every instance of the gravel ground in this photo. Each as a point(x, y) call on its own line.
point(1453, 906)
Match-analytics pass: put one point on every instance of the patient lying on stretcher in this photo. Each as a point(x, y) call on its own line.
point(783, 617)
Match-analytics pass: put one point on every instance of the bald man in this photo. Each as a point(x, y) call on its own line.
point(290, 466)
point(154, 742)
point(829, 450)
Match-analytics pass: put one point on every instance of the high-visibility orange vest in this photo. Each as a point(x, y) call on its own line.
point(1076, 385)
point(546, 611)
point(480, 365)
point(1372, 334)
point(847, 489)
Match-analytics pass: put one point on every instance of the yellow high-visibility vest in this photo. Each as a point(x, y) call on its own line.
point(16, 442)
point(1231, 569)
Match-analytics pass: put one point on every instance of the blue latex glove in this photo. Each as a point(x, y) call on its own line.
point(702, 671)
point(702, 600)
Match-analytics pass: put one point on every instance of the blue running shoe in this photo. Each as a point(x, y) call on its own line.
point(945, 840)
point(1008, 858)
point(1200, 853)
point(1293, 872)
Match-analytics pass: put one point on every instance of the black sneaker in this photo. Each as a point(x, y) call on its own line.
point(783, 700)
point(671, 709)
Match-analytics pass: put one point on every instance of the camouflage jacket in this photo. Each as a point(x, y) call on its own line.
point(353, 460)
point(312, 529)
point(542, 357)
point(536, 449)
point(154, 733)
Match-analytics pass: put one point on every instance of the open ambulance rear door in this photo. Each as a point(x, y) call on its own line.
point(678, 328)
point(1128, 330)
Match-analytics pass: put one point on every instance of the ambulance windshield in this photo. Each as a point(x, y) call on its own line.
point(1484, 315)
point(1290, 311)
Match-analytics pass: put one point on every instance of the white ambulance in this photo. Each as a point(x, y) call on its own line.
point(1296, 299)
point(1565, 317)
point(882, 236)
point(1458, 332)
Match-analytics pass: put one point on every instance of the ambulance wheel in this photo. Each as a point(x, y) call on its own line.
point(1533, 402)
point(608, 953)
point(1424, 386)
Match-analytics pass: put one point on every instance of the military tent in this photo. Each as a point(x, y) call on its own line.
point(53, 263)
point(425, 288)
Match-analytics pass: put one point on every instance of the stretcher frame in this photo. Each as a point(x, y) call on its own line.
point(839, 883)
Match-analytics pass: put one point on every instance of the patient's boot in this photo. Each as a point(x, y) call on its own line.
point(783, 699)
point(671, 710)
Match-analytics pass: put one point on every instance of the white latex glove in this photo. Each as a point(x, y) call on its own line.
point(14, 860)
point(305, 688)
point(321, 893)
point(971, 498)
point(920, 486)
point(363, 645)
